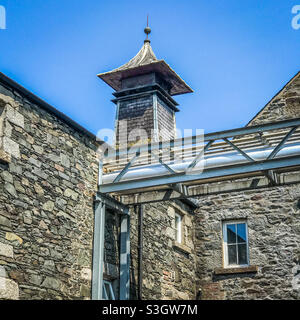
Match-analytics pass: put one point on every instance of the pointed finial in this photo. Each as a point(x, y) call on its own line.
point(147, 30)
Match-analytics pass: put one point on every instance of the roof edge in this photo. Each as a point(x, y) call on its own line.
point(46, 106)
point(275, 96)
point(103, 76)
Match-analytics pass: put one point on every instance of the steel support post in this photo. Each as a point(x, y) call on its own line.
point(98, 250)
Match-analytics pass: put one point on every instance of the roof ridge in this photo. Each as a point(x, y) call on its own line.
point(278, 94)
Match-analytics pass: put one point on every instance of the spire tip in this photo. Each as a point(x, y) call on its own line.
point(147, 30)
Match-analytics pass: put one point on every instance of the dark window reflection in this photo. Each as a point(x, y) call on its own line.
point(232, 254)
point(242, 254)
point(108, 292)
point(104, 295)
point(231, 233)
point(236, 243)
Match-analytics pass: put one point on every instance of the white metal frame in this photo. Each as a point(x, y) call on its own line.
point(225, 244)
point(105, 297)
point(102, 202)
point(264, 150)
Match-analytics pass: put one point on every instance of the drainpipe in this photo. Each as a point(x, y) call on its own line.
point(140, 251)
point(98, 243)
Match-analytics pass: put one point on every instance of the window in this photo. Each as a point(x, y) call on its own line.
point(235, 240)
point(108, 292)
point(178, 228)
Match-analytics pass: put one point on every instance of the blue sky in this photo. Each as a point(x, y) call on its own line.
point(236, 55)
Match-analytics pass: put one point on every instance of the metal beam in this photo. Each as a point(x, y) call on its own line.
point(210, 136)
point(98, 250)
point(112, 203)
point(162, 163)
point(272, 176)
point(213, 188)
point(125, 258)
point(102, 202)
point(244, 154)
point(180, 189)
point(140, 252)
point(183, 191)
point(243, 168)
point(198, 157)
point(121, 174)
point(282, 142)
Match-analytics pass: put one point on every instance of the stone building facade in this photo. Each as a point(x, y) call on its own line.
point(272, 216)
point(49, 169)
point(46, 200)
point(168, 267)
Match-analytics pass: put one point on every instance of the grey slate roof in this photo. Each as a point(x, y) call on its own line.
point(143, 57)
point(145, 62)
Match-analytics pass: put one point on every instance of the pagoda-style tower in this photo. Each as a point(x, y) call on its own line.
point(144, 89)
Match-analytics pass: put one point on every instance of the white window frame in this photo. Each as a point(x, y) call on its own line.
point(225, 244)
point(105, 295)
point(178, 229)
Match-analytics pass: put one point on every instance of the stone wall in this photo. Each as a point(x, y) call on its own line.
point(46, 204)
point(168, 268)
point(274, 236)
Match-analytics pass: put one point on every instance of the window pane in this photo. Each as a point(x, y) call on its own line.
point(232, 257)
point(242, 253)
point(104, 295)
point(231, 233)
point(177, 220)
point(178, 228)
point(107, 287)
point(241, 232)
point(177, 236)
